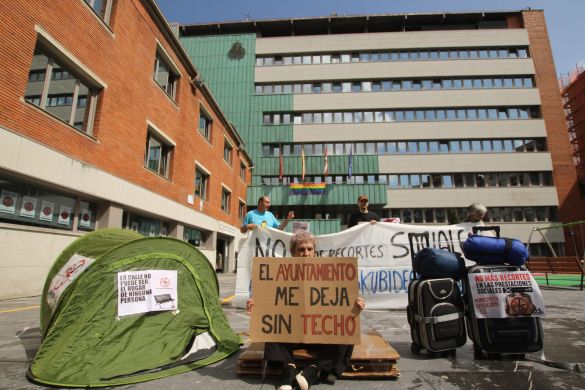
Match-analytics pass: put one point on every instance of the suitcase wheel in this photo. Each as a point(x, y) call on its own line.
point(415, 348)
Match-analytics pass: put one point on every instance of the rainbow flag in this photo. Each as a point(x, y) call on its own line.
point(307, 188)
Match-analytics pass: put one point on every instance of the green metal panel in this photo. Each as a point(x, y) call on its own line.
point(319, 226)
point(338, 194)
point(232, 84)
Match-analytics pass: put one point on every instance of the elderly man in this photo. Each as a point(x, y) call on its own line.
point(332, 359)
point(475, 213)
point(262, 217)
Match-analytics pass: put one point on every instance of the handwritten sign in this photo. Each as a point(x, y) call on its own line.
point(305, 300)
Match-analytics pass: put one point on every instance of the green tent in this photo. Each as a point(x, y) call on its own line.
point(90, 340)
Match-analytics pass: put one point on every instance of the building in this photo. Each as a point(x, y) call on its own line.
point(573, 94)
point(432, 112)
point(104, 123)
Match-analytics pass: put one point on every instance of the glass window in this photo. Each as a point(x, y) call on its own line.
point(366, 86)
point(201, 183)
point(164, 75)
point(226, 197)
point(66, 97)
point(158, 155)
point(393, 181)
point(227, 151)
point(204, 126)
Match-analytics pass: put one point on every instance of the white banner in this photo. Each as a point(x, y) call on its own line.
point(382, 250)
point(145, 291)
point(505, 294)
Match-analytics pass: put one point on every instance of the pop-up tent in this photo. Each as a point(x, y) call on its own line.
point(118, 309)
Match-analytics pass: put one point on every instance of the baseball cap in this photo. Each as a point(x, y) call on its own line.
point(363, 197)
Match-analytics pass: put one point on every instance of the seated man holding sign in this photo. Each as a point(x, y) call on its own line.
point(331, 359)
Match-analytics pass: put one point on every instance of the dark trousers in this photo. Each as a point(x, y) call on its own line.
point(331, 358)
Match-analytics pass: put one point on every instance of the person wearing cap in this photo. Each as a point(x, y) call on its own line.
point(363, 215)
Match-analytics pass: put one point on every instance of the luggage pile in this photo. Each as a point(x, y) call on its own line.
point(439, 311)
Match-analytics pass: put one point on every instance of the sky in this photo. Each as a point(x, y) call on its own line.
point(565, 18)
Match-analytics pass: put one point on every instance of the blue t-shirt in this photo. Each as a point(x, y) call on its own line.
point(263, 219)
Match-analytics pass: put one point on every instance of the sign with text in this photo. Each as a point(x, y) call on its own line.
point(146, 291)
point(505, 294)
point(305, 300)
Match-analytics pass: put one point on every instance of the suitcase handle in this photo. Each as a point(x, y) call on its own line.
point(476, 229)
point(419, 239)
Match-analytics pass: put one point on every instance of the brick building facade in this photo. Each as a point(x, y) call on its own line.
point(104, 122)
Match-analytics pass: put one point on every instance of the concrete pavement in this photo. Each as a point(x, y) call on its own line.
point(564, 342)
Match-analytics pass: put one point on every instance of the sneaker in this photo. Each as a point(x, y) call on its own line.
point(288, 378)
point(309, 376)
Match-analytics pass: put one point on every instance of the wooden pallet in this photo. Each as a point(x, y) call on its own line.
point(373, 358)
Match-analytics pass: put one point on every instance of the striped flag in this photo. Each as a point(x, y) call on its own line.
point(326, 164)
point(350, 163)
point(303, 163)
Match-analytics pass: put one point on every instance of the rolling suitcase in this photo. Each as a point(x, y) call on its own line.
point(435, 310)
point(496, 336)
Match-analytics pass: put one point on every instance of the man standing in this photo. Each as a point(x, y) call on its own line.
point(363, 215)
point(262, 217)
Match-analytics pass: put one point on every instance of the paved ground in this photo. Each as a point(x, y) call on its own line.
point(564, 342)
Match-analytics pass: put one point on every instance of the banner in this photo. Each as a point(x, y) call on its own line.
point(305, 300)
point(382, 250)
point(505, 294)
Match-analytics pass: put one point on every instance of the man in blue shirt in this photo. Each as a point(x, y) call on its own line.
point(262, 217)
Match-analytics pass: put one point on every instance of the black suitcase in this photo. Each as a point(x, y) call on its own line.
point(435, 310)
point(497, 336)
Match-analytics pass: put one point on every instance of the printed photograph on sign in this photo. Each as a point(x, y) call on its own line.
point(46, 213)
point(85, 218)
point(305, 300)
point(8, 201)
point(147, 291)
point(505, 295)
point(29, 207)
point(64, 215)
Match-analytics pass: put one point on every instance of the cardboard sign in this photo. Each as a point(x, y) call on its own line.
point(305, 300)
point(505, 294)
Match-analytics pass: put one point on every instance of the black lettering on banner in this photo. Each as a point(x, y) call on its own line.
point(398, 245)
point(276, 324)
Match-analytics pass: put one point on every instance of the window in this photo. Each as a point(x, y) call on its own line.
point(241, 209)
point(102, 8)
point(205, 124)
point(165, 73)
point(201, 183)
point(158, 153)
point(243, 170)
point(226, 196)
point(227, 151)
point(58, 90)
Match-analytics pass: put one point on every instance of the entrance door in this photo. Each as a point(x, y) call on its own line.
point(220, 257)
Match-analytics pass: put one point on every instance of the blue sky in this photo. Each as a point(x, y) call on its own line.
point(565, 18)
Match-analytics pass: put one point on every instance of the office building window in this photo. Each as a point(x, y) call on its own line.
point(204, 124)
point(227, 151)
point(165, 74)
point(59, 91)
point(241, 210)
point(158, 154)
point(201, 183)
point(243, 171)
point(226, 196)
point(103, 8)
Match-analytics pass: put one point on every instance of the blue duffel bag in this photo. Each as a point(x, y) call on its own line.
point(432, 263)
point(494, 250)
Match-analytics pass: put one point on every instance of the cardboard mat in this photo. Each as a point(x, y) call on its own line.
point(373, 358)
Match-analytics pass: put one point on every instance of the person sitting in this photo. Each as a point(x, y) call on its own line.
point(332, 359)
point(475, 213)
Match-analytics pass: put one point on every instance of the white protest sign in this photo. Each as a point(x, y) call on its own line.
point(146, 291)
point(382, 250)
point(505, 294)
